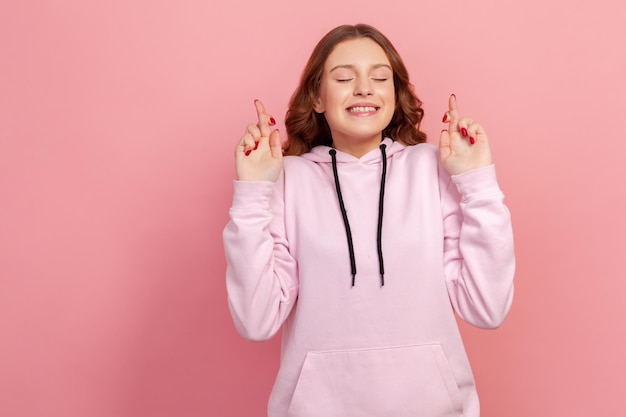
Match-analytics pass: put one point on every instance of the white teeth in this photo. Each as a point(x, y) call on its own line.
point(361, 109)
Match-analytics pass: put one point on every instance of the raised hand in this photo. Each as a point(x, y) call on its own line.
point(464, 145)
point(259, 153)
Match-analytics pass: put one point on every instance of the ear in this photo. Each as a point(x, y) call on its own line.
point(318, 106)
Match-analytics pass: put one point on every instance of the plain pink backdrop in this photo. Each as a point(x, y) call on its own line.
point(117, 126)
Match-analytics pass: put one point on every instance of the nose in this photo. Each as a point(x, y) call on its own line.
point(363, 87)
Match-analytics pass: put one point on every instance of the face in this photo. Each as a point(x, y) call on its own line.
point(357, 95)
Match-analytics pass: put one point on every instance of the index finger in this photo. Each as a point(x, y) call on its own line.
point(263, 119)
point(453, 113)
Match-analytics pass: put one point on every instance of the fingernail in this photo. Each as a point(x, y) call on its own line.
point(472, 140)
point(453, 95)
point(444, 130)
point(445, 118)
point(247, 153)
point(272, 121)
point(463, 131)
point(256, 145)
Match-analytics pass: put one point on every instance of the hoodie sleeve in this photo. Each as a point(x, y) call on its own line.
point(261, 274)
point(479, 259)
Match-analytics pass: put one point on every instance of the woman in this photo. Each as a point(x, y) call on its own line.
point(363, 241)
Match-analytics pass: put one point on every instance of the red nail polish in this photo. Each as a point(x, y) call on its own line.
point(256, 145)
point(445, 118)
point(247, 153)
point(464, 131)
point(272, 121)
point(472, 141)
point(453, 95)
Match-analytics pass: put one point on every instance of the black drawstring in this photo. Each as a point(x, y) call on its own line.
point(381, 200)
point(346, 223)
point(333, 156)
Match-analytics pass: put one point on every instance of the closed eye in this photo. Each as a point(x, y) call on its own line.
point(380, 79)
point(344, 80)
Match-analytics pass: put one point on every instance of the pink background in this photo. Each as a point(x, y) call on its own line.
point(117, 126)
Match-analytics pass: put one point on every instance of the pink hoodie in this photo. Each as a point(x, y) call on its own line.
point(370, 349)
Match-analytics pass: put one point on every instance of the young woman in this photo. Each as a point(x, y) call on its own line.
point(363, 241)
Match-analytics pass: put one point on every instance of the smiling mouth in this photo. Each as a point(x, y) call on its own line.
point(362, 109)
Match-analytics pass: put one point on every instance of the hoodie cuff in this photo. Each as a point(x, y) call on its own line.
point(252, 194)
point(478, 183)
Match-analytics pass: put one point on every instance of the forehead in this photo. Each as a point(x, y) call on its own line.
point(360, 51)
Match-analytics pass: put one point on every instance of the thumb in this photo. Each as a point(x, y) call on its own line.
point(276, 146)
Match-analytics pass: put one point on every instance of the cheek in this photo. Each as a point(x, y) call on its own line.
point(389, 93)
point(325, 98)
point(393, 100)
point(332, 103)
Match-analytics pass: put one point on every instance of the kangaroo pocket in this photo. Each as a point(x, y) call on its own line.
point(396, 381)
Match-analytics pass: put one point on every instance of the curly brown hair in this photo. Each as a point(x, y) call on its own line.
point(307, 128)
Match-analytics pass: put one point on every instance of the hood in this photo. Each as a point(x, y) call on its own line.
point(320, 154)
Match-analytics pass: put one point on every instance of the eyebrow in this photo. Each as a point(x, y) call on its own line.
point(348, 66)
